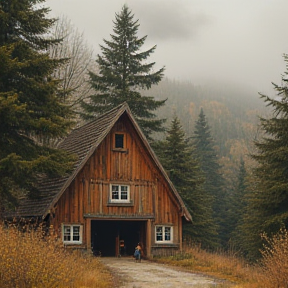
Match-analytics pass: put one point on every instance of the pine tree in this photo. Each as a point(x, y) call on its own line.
point(237, 207)
point(213, 184)
point(177, 158)
point(122, 74)
point(29, 106)
point(268, 202)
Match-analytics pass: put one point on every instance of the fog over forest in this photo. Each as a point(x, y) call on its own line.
point(200, 41)
point(96, 138)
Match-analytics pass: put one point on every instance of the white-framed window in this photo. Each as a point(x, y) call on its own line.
point(119, 193)
point(164, 234)
point(72, 234)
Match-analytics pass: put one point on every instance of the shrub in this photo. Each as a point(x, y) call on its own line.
point(31, 260)
point(275, 260)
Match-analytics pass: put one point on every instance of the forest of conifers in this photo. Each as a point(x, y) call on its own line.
point(232, 110)
point(232, 114)
point(231, 174)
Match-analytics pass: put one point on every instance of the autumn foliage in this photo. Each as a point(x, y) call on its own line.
point(275, 260)
point(270, 272)
point(30, 260)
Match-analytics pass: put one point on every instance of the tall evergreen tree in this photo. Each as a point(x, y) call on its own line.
point(183, 169)
point(122, 74)
point(213, 184)
point(237, 207)
point(29, 106)
point(268, 202)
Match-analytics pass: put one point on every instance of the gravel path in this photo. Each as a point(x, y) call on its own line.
point(153, 275)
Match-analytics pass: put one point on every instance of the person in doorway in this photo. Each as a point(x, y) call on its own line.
point(137, 253)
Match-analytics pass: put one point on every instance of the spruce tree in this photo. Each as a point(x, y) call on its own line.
point(237, 207)
point(213, 184)
point(29, 106)
point(268, 201)
point(123, 72)
point(183, 169)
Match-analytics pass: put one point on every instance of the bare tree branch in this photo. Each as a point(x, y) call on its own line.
point(74, 72)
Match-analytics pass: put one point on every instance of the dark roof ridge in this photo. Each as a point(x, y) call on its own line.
point(121, 106)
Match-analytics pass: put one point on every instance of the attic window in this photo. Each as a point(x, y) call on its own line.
point(119, 141)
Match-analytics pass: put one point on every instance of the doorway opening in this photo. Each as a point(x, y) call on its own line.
point(117, 238)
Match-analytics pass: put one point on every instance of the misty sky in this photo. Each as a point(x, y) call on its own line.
point(241, 41)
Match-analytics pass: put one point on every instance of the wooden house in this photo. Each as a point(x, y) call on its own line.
point(117, 195)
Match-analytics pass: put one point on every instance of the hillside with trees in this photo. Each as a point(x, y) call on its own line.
point(232, 110)
point(232, 113)
point(228, 164)
point(223, 123)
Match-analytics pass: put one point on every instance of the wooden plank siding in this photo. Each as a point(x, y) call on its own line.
point(89, 192)
point(81, 200)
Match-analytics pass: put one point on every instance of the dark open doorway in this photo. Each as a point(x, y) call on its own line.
point(117, 237)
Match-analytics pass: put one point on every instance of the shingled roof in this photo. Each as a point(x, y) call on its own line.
point(83, 142)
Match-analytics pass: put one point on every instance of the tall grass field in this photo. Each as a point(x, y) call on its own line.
point(28, 259)
point(271, 271)
point(31, 260)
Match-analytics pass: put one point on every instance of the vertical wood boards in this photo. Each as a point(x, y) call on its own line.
point(149, 192)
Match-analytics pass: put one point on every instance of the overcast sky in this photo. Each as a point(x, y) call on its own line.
point(197, 40)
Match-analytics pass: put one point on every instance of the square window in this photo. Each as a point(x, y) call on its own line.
point(72, 234)
point(163, 234)
point(119, 193)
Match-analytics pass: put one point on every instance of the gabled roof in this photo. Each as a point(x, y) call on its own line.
point(83, 142)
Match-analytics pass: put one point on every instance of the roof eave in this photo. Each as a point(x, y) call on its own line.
point(85, 159)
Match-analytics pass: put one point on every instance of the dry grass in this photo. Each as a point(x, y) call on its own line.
point(275, 260)
point(29, 260)
point(271, 272)
point(218, 265)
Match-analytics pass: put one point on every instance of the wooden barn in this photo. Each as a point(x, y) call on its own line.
point(117, 195)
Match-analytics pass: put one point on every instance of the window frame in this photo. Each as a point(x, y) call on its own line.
point(123, 139)
point(119, 200)
point(71, 233)
point(163, 227)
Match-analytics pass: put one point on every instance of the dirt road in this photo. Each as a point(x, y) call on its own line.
point(153, 275)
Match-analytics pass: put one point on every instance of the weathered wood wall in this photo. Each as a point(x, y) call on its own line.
point(89, 192)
